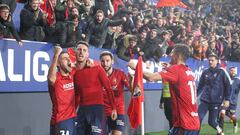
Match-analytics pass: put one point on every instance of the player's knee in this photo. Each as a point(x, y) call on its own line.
point(222, 115)
point(234, 118)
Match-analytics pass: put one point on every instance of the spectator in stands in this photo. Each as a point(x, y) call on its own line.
point(137, 26)
point(159, 25)
point(85, 8)
point(7, 29)
point(129, 49)
point(97, 29)
point(105, 6)
point(109, 41)
point(200, 48)
point(11, 3)
point(32, 22)
point(48, 7)
point(152, 42)
point(235, 52)
point(63, 13)
point(165, 45)
point(62, 10)
point(223, 48)
point(50, 29)
point(72, 33)
point(211, 48)
point(142, 38)
point(189, 41)
point(115, 39)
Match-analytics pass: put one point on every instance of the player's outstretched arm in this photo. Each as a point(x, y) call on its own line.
point(152, 77)
point(146, 75)
point(52, 70)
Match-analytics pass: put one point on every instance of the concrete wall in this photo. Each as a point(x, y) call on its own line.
point(29, 113)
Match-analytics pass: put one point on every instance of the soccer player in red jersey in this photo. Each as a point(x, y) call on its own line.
point(183, 92)
point(61, 90)
point(89, 83)
point(118, 80)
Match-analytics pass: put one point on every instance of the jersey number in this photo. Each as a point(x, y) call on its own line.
point(63, 132)
point(193, 91)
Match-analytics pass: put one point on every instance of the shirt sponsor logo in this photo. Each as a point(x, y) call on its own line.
point(68, 86)
point(194, 114)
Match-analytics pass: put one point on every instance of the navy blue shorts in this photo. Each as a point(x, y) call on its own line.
point(66, 127)
point(118, 124)
point(181, 131)
point(91, 120)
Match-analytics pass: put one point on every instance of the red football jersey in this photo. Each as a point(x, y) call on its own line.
point(118, 80)
point(63, 98)
point(89, 83)
point(183, 94)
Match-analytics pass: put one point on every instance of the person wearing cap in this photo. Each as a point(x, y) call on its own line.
point(11, 3)
point(118, 81)
point(215, 89)
point(231, 110)
point(7, 28)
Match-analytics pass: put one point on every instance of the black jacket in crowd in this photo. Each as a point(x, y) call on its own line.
point(31, 28)
point(97, 32)
point(7, 30)
point(69, 37)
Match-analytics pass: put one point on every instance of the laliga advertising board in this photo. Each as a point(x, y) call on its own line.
point(25, 69)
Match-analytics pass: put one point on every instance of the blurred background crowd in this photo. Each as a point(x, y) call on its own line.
point(129, 27)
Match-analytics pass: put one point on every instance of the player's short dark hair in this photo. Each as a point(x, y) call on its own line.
point(106, 53)
point(213, 55)
point(182, 50)
point(63, 52)
point(83, 43)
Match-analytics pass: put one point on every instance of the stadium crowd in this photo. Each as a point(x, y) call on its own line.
point(130, 28)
